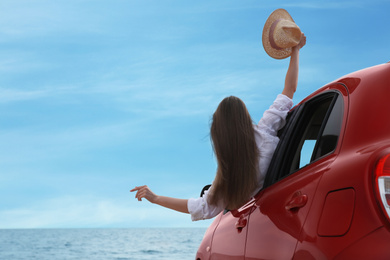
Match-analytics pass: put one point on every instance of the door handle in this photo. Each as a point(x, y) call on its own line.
point(242, 214)
point(241, 223)
point(297, 202)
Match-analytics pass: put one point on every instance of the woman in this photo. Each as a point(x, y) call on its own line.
point(243, 152)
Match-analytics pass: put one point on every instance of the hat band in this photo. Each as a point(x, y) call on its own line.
point(271, 35)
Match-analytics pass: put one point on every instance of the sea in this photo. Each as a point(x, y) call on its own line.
point(100, 244)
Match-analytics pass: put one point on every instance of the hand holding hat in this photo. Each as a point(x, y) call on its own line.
point(281, 34)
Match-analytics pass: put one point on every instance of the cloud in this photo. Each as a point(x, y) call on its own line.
point(328, 4)
point(23, 19)
point(92, 212)
point(12, 95)
point(39, 144)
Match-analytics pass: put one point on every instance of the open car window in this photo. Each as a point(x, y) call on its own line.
point(311, 132)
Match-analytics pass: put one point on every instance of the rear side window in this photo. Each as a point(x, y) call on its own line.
point(313, 134)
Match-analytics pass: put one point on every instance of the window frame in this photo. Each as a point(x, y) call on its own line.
point(291, 134)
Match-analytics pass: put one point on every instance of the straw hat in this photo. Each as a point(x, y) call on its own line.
point(280, 34)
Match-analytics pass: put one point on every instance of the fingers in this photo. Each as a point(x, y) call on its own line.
point(303, 41)
point(141, 192)
point(138, 188)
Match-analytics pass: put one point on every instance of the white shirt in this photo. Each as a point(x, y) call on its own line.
point(266, 139)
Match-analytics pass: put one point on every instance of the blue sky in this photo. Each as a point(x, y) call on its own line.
point(97, 97)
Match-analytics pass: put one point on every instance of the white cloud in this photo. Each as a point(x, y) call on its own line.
point(89, 212)
point(38, 144)
point(26, 18)
point(12, 95)
point(329, 4)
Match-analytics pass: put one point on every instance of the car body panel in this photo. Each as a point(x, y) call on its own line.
point(204, 251)
point(327, 209)
point(364, 142)
point(275, 226)
point(227, 233)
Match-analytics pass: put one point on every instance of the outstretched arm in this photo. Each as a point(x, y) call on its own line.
point(167, 202)
point(291, 82)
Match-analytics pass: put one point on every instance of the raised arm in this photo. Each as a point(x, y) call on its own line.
point(291, 82)
point(167, 202)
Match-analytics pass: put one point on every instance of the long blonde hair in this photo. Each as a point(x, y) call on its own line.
point(234, 145)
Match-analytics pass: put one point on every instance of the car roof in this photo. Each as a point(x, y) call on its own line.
point(368, 119)
point(367, 111)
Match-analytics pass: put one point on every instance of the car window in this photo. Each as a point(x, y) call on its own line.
point(311, 132)
point(313, 140)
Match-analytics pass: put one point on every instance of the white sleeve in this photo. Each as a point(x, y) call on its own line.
point(275, 117)
point(200, 209)
point(266, 133)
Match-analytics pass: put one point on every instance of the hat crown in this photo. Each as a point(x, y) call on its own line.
point(280, 34)
point(286, 34)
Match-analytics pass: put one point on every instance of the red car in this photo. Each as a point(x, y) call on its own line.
point(327, 191)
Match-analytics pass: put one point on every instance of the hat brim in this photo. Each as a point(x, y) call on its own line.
point(275, 53)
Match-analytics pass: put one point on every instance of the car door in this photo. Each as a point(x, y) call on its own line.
point(229, 236)
point(305, 152)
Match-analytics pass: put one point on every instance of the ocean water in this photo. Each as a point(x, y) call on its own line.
point(99, 244)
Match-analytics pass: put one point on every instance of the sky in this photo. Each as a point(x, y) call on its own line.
point(97, 97)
